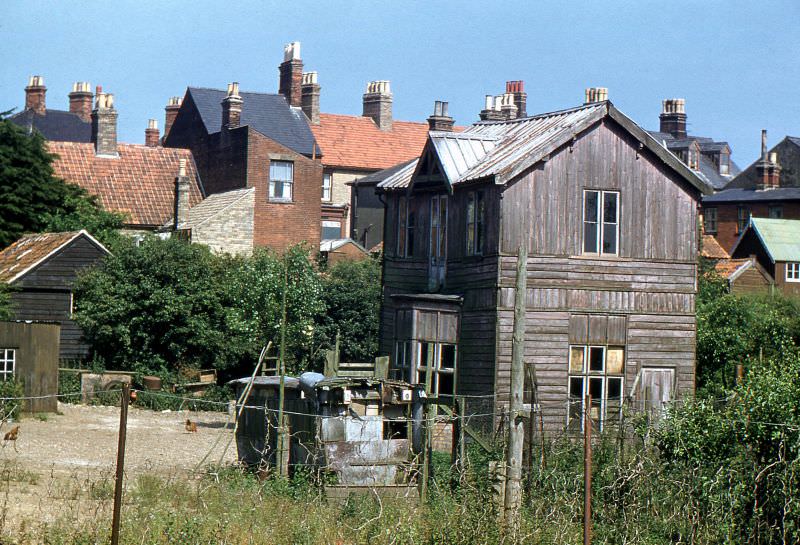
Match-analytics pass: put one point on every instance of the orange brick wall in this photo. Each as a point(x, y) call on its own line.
point(727, 215)
point(278, 225)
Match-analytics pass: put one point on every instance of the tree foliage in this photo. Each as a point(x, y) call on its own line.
point(33, 199)
point(5, 302)
point(352, 294)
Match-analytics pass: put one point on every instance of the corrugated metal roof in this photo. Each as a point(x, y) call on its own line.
point(781, 238)
point(530, 138)
point(400, 179)
point(459, 152)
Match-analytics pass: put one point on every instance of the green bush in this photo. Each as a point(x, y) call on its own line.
point(11, 408)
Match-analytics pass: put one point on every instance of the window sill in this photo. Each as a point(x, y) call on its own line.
point(280, 201)
point(610, 257)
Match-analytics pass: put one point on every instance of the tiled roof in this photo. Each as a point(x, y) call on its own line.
point(712, 249)
point(215, 204)
point(268, 114)
point(55, 125)
point(27, 252)
point(139, 183)
point(727, 267)
point(351, 141)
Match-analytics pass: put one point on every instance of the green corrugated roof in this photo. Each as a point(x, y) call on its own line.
point(781, 238)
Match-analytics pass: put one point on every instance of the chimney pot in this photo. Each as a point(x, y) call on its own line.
point(232, 107)
point(170, 113)
point(440, 120)
point(310, 90)
point(768, 171)
point(596, 94)
point(673, 117)
point(151, 137)
point(377, 103)
point(35, 94)
point(80, 100)
point(104, 124)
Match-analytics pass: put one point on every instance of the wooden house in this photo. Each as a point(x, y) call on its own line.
point(745, 276)
point(609, 217)
point(41, 270)
point(775, 244)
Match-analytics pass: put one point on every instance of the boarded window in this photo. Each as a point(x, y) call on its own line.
point(656, 390)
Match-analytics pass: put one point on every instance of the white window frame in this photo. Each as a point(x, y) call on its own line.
point(287, 185)
point(8, 358)
point(599, 222)
point(587, 375)
point(327, 187)
point(792, 271)
point(710, 221)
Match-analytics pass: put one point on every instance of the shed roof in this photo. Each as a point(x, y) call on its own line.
point(31, 250)
point(381, 175)
point(356, 142)
point(401, 178)
point(267, 113)
point(712, 249)
point(55, 125)
point(334, 244)
point(139, 183)
point(780, 238)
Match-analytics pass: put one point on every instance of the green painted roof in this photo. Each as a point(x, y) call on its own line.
point(781, 238)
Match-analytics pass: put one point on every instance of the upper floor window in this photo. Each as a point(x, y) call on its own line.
point(724, 163)
point(326, 187)
point(694, 160)
point(438, 247)
point(742, 218)
point(475, 222)
point(793, 272)
point(776, 212)
point(8, 360)
point(710, 221)
point(600, 222)
point(331, 230)
point(281, 179)
point(405, 227)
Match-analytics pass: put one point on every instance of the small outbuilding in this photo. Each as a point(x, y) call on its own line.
point(29, 353)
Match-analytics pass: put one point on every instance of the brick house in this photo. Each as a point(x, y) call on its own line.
point(139, 181)
point(775, 245)
point(609, 217)
point(768, 188)
point(259, 141)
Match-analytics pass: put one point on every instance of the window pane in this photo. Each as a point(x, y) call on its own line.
point(610, 238)
point(576, 354)
point(576, 387)
point(596, 393)
point(596, 358)
point(479, 225)
point(331, 230)
point(446, 384)
point(610, 207)
point(401, 226)
point(590, 238)
point(613, 401)
point(448, 357)
point(590, 206)
point(615, 358)
point(410, 232)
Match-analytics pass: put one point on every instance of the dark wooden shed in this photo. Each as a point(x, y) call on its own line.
point(41, 270)
point(29, 353)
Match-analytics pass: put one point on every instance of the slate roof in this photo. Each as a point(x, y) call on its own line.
point(356, 142)
point(712, 249)
point(780, 238)
point(139, 183)
point(739, 194)
point(54, 125)
point(267, 113)
point(28, 252)
point(214, 205)
point(707, 170)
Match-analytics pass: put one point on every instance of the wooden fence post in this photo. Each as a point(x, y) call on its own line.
point(118, 483)
point(587, 471)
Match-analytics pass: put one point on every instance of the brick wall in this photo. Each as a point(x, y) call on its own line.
point(727, 217)
point(276, 224)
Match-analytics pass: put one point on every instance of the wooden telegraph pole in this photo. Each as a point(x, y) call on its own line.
point(123, 429)
point(587, 471)
point(516, 430)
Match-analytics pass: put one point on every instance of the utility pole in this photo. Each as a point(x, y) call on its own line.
point(282, 459)
point(516, 430)
point(587, 471)
point(118, 484)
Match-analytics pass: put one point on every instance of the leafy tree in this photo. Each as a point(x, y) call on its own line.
point(352, 294)
point(5, 302)
point(33, 199)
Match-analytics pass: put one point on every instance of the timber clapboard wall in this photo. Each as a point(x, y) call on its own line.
point(642, 298)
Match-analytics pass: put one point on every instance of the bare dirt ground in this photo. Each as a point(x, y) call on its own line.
point(64, 464)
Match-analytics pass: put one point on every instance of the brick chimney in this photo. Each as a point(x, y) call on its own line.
point(232, 107)
point(517, 89)
point(80, 100)
point(291, 74)
point(595, 94)
point(768, 171)
point(170, 113)
point(104, 124)
point(310, 95)
point(181, 211)
point(151, 137)
point(377, 103)
point(492, 109)
point(673, 117)
point(507, 106)
point(35, 95)
point(440, 120)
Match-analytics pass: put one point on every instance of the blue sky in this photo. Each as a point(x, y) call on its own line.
point(736, 63)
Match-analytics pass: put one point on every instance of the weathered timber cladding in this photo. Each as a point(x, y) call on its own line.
point(36, 347)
